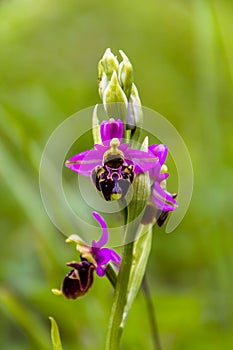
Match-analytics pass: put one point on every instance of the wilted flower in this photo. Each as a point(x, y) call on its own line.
point(112, 165)
point(77, 282)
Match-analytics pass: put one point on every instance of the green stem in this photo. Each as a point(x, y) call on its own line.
point(151, 314)
point(134, 213)
point(117, 315)
point(111, 275)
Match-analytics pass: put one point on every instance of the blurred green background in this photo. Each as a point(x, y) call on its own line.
point(182, 52)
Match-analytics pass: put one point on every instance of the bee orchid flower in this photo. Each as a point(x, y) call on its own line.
point(112, 165)
point(97, 254)
point(161, 201)
point(93, 258)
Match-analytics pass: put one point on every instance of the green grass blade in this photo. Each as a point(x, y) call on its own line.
point(55, 336)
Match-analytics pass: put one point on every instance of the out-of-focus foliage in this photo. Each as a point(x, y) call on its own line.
point(182, 55)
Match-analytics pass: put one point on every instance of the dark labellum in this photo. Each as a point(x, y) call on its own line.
point(77, 282)
point(162, 217)
point(114, 178)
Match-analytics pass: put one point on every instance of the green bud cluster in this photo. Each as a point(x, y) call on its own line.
point(118, 92)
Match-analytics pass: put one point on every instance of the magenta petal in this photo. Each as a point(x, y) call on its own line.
point(123, 147)
point(111, 129)
point(142, 161)
point(84, 162)
point(155, 171)
point(156, 175)
point(115, 258)
point(163, 194)
point(103, 257)
point(162, 205)
point(100, 271)
point(153, 148)
point(163, 199)
point(159, 151)
point(104, 238)
point(162, 177)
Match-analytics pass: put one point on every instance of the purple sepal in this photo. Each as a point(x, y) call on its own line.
point(101, 255)
point(160, 151)
point(163, 200)
point(84, 162)
point(111, 129)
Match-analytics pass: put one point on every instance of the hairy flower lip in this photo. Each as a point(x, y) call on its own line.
point(78, 281)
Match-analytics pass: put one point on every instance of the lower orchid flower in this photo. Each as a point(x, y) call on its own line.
point(77, 282)
point(96, 254)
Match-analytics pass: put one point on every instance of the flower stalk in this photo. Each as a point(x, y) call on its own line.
point(120, 98)
point(122, 290)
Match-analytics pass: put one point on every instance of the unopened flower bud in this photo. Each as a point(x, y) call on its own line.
point(109, 63)
point(134, 117)
point(114, 99)
point(106, 66)
point(118, 92)
point(103, 82)
point(135, 94)
point(125, 74)
point(96, 127)
point(134, 114)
